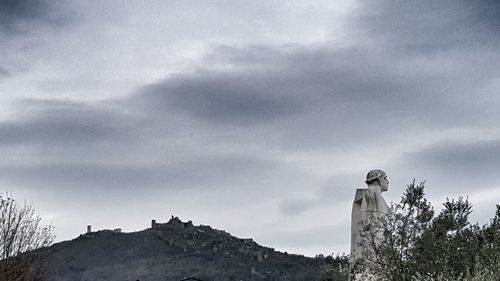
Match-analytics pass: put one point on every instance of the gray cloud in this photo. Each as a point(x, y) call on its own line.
point(486, 14)
point(261, 119)
point(339, 96)
point(205, 172)
point(335, 190)
point(305, 97)
point(462, 164)
point(262, 87)
point(239, 98)
point(13, 12)
point(75, 145)
point(25, 26)
point(54, 122)
point(423, 27)
point(4, 72)
point(297, 206)
point(85, 146)
point(20, 16)
point(308, 238)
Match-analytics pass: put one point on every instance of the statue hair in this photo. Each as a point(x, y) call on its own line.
point(374, 175)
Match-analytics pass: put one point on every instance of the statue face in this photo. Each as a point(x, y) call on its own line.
point(384, 183)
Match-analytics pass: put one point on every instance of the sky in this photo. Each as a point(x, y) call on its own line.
point(260, 118)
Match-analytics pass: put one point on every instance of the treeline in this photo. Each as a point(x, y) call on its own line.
point(420, 244)
point(416, 243)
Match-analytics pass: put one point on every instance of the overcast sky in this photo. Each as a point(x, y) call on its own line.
point(256, 117)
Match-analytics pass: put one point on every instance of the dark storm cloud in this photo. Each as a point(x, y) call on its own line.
point(321, 96)
point(84, 176)
point(73, 140)
point(53, 122)
point(486, 14)
point(464, 164)
point(202, 172)
point(430, 26)
point(267, 83)
point(21, 10)
point(25, 26)
point(220, 97)
point(20, 16)
point(307, 97)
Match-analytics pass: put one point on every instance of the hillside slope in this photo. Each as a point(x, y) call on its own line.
point(173, 251)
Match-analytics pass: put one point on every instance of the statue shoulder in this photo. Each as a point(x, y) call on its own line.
point(373, 201)
point(360, 193)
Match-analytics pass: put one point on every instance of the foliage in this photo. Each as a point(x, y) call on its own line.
point(335, 268)
point(21, 235)
point(416, 244)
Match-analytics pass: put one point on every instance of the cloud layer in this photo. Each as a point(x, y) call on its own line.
point(112, 104)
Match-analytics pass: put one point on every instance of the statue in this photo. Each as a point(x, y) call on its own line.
point(373, 202)
point(368, 206)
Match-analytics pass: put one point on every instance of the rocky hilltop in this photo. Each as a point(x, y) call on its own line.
point(174, 251)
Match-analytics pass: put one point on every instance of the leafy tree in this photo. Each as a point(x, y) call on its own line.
point(21, 238)
point(393, 256)
point(417, 245)
point(488, 259)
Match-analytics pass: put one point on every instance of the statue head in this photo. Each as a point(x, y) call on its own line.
point(377, 177)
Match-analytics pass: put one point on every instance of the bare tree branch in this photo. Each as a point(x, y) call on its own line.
point(21, 238)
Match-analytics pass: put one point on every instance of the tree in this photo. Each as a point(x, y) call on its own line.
point(22, 238)
point(393, 255)
point(451, 242)
point(488, 259)
point(416, 245)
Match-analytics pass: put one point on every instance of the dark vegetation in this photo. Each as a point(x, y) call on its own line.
point(419, 244)
point(20, 235)
point(335, 268)
point(173, 251)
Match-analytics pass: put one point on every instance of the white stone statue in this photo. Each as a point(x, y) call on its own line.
point(368, 206)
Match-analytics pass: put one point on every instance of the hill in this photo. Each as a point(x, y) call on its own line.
point(173, 251)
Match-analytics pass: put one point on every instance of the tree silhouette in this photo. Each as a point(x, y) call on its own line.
point(22, 238)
